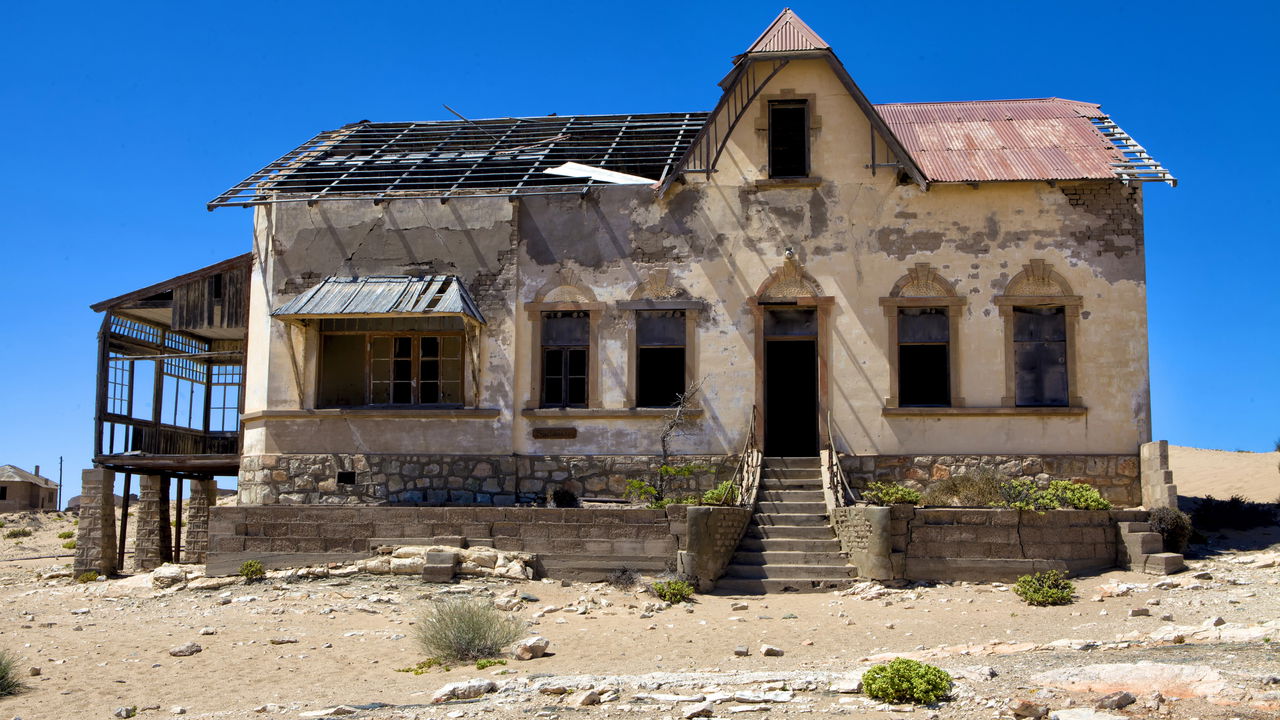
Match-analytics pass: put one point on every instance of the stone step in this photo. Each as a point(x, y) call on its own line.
point(792, 462)
point(790, 572)
point(753, 586)
point(796, 519)
point(785, 532)
point(1143, 543)
point(789, 507)
point(1161, 563)
point(789, 495)
point(791, 473)
point(788, 557)
point(774, 485)
point(757, 544)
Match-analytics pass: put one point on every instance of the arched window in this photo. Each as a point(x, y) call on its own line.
point(923, 314)
point(1040, 316)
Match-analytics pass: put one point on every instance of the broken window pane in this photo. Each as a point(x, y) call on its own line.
point(788, 139)
point(1040, 356)
point(660, 356)
point(924, 357)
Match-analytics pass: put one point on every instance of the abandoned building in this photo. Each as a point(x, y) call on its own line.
point(22, 491)
point(485, 312)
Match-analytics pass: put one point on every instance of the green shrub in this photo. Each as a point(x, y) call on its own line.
point(686, 500)
point(685, 470)
point(883, 493)
point(252, 570)
point(87, 577)
point(18, 533)
point(904, 680)
point(488, 663)
point(425, 666)
point(9, 682)
point(1, 523)
point(673, 591)
point(640, 491)
point(69, 545)
point(66, 535)
point(1174, 527)
point(464, 629)
point(1022, 494)
point(726, 493)
point(1050, 587)
point(1236, 513)
point(980, 489)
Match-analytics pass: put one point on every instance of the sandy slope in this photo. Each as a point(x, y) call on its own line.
point(1221, 473)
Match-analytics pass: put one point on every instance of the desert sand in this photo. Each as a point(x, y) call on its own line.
point(1221, 473)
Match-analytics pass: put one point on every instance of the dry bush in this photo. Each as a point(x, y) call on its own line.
point(464, 629)
point(979, 489)
point(9, 683)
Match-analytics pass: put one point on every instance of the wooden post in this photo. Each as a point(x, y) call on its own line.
point(166, 536)
point(124, 520)
point(177, 524)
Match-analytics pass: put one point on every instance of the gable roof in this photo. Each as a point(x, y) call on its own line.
point(1011, 140)
point(12, 473)
point(788, 33)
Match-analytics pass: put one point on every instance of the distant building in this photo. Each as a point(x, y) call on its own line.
point(21, 490)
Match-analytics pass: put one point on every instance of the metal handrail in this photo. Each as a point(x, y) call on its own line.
point(746, 476)
point(841, 490)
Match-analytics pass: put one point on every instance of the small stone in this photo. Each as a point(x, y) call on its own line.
point(1202, 576)
point(530, 648)
point(1116, 700)
point(770, 651)
point(585, 698)
point(337, 711)
point(177, 710)
point(33, 671)
point(702, 709)
point(465, 690)
point(1215, 622)
point(283, 640)
point(208, 631)
point(738, 607)
point(741, 651)
point(1027, 709)
point(847, 686)
point(186, 650)
point(1140, 612)
point(125, 712)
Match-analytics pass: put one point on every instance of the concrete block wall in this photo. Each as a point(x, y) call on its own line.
point(1158, 488)
point(96, 533)
point(712, 536)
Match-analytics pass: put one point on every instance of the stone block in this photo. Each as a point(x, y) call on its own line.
point(1163, 563)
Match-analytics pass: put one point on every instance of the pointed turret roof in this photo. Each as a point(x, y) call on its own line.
point(788, 33)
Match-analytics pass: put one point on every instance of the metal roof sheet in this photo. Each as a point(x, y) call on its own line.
point(1037, 139)
point(788, 33)
point(13, 473)
point(384, 295)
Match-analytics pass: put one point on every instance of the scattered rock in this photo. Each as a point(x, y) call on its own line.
point(177, 710)
point(283, 640)
point(702, 709)
point(125, 712)
point(208, 631)
point(1139, 612)
point(337, 711)
point(770, 651)
point(530, 648)
point(464, 690)
point(585, 698)
point(738, 607)
point(1171, 680)
point(847, 686)
point(186, 650)
point(33, 671)
point(168, 575)
point(741, 651)
point(1116, 700)
point(1028, 709)
point(1082, 714)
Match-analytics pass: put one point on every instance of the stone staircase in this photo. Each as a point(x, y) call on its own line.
point(1143, 551)
point(789, 545)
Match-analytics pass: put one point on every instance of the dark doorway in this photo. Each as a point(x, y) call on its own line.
point(790, 383)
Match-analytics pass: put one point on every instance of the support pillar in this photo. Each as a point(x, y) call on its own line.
point(148, 532)
point(203, 495)
point(165, 521)
point(96, 534)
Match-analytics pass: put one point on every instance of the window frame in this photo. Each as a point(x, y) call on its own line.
point(536, 379)
point(1070, 305)
point(902, 344)
point(807, 152)
point(415, 364)
point(691, 310)
point(566, 364)
point(953, 306)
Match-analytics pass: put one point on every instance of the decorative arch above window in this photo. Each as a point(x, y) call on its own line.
point(923, 312)
point(565, 316)
point(787, 283)
point(564, 287)
point(1041, 315)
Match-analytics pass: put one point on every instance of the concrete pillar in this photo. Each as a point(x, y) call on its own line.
point(166, 521)
point(1158, 489)
point(147, 531)
point(203, 495)
point(96, 534)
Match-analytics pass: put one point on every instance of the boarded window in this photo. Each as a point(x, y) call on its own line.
point(409, 369)
point(788, 138)
point(1040, 356)
point(660, 356)
point(566, 340)
point(924, 362)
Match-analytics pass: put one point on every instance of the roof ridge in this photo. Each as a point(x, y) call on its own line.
point(1007, 100)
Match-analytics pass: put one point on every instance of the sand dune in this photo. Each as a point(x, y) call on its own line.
point(1222, 473)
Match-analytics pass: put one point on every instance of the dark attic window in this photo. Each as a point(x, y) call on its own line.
point(660, 351)
point(788, 138)
point(924, 375)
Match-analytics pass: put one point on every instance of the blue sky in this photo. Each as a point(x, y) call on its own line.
point(122, 120)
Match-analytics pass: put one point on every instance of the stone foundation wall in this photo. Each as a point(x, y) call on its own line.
point(1115, 476)
point(436, 480)
point(713, 536)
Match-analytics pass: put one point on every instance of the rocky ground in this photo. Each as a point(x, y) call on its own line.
point(1202, 644)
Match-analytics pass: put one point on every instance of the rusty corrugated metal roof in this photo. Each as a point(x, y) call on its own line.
point(1037, 139)
point(383, 295)
point(788, 33)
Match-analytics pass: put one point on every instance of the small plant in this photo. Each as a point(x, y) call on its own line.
point(69, 545)
point(1023, 494)
point(673, 591)
point(726, 493)
point(979, 489)
point(18, 533)
point(463, 629)
point(622, 579)
point(252, 570)
point(9, 682)
point(883, 493)
point(484, 663)
point(686, 500)
point(1050, 587)
point(1, 523)
point(903, 680)
point(640, 491)
point(66, 535)
point(1235, 513)
point(1174, 527)
point(425, 666)
point(87, 577)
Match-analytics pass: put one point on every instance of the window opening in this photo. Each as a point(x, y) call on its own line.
point(788, 138)
point(1040, 356)
point(224, 398)
point(380, 369)
point(4, 492)
point(924, 377)
point(346, 477)
point(565, 348)
point(660, 357)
